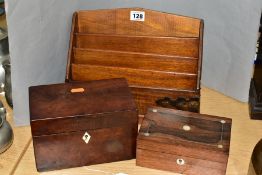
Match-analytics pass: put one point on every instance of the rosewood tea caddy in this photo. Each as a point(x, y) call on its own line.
point(78, 124)
point(160, 54)
point(183, 142)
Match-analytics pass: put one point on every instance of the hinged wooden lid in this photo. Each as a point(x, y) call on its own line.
point(69, 102)
point(173, 129)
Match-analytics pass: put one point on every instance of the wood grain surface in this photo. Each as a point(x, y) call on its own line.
point(136, 60)
point(166, 126)
point(245, 135)
point(117, 21)
point(72, 44)
point(61, 115)
point(66, 150)
point(200, 56)
point(57, 100)
point(27, 166)
point(166, 161)
point(186, 47)
point(142, 78)
point(162, 137)
point(163, 52)
point(83, 122)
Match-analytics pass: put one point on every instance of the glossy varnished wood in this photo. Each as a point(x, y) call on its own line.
point(162, 53)
point(165, 161)
point(46, 100)
point(68, 150)
point(187, 47)
point(167, 135)
point(117, 21)
point(246, 134)
point(157, 79)
point(73, 124)
point(143, 60)
point(62, 114)
point(74, 28)
point(200, 56)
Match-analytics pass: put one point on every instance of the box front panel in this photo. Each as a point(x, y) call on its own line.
point(76, 123)
point(192, 150)
point(85, 147)
point(178, 163)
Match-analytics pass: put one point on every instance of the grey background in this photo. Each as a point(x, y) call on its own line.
point(39, 38)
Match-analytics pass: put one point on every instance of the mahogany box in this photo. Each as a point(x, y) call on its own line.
point(78, 124)
point(183, 142)
point(160, 54)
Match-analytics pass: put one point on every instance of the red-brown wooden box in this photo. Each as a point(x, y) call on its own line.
point(78, 124)
point(184, 142)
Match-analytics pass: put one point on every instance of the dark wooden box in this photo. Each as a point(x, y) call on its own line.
point(184, 142)
point(255, 94)
point(255, 99)
point(161, 57)
point(78, 124)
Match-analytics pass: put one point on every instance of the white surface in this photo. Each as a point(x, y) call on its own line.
point(39, 37)
point(137, 16)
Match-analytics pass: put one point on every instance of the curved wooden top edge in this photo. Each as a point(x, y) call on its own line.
point(140, 8)
point(154, 23)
